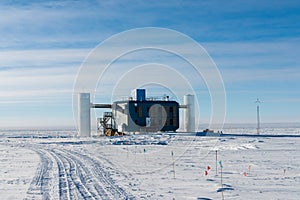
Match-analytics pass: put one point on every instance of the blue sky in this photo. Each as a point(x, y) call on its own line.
point(43, 43)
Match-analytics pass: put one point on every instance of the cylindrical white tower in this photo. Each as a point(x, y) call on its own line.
point(84, 115)
point(189, 113)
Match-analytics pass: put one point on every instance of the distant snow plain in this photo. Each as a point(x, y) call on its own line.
point(54, 165)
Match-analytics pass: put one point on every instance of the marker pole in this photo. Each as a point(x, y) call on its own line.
point(173, 163)
point(216, 162)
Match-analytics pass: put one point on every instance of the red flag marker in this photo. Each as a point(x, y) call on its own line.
point(208, 168)
point(206, 173)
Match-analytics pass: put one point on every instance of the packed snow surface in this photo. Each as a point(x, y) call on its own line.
point(55, 165)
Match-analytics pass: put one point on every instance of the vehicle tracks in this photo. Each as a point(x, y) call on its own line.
point(70, 174)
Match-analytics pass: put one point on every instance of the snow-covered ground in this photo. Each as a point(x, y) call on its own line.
point(160, 166)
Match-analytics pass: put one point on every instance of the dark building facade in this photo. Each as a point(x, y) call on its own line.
point(142, 115)
point(155, 115)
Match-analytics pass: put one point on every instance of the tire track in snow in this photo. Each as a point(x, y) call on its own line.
point(64, 184)
point(43, 184)
point(77, 176)
point(104, 184)
point(77, 181)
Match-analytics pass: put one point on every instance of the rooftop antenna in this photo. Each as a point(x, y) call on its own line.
point(257, 112)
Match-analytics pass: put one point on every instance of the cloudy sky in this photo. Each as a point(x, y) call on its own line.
point(255, 45)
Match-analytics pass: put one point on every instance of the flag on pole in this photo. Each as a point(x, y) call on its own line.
point(220, 162)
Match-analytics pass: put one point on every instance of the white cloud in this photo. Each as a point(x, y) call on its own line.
point(42, 57)
point(263, 74)
point(235, 53)
point(33, 94)
point(48, 24)
point(27, 75)
point(269, 61)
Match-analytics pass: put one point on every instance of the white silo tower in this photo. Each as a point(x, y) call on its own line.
point(84, 115)
point(189, 113)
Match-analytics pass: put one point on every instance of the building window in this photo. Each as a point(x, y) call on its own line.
point(140, 110)
point(175, 121)
point(166, 109)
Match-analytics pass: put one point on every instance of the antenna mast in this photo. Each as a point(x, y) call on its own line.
point(257, 112)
